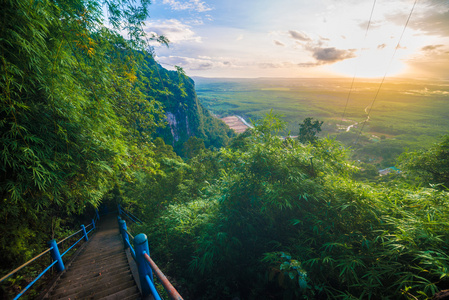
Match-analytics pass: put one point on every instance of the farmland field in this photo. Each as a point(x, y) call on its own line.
point(402, 113)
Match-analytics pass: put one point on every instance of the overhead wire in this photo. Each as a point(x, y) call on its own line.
point(385, 75)
point(358, 59)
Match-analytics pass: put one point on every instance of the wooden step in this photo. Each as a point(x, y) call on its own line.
point(100, 271)
point(97, 291)
point(90, 280)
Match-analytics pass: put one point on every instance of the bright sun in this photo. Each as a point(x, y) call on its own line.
point(384, 51)
point(371, 64)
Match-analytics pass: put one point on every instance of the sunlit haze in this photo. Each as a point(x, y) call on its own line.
point(291, 38)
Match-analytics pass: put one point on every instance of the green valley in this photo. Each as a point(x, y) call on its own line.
point(405, 114)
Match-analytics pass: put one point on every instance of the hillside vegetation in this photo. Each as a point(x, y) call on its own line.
point(88, 118)
point(267, 218)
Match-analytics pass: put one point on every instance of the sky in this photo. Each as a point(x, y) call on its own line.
point(303, 38)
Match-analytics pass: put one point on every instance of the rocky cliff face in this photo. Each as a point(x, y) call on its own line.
point(185, 116)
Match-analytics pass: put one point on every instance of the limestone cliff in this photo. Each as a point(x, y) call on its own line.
point(184, 114)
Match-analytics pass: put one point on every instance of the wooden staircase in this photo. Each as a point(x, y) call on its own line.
point(101, 270)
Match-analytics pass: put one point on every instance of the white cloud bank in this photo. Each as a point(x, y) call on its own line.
point(197, 64)
point(195, 5)
point(173, 29)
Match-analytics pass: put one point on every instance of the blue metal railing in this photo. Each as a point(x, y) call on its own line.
point(55, 254)
point(128, 215)
point(146, 266)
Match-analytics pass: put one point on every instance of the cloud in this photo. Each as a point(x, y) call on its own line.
point(276, 42)
point(372, 25)
point(195, 5)
point(432, 61)
point(309, 64)
point(195, 22)
point(432, 19)
point(172, 29)
point(197, 64)
point(435, 24)
point(320, 49)
point(431, 47)
point(281, 65)
point(331, 55)
point(299, 36)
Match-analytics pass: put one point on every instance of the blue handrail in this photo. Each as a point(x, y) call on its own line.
point(129, 215)
point(145, 264)
point(36, 279)
point(54, 251)
point(131, 249)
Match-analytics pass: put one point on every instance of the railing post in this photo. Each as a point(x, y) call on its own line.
point(93, 224)
point(54, 252)
point(122, 226)
point(119, 220)
point(141, 246)
point(119, 209)
point(98, 215)
point(85, 233)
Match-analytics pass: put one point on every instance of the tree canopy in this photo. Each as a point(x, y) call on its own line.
point(262, 221)
point(308, 130)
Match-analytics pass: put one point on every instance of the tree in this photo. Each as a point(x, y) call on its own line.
point(308, 130)
point(192, 147)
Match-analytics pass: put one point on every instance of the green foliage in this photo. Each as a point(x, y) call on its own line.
point(429, 166)
point(193, 147)
point(285, 220)
point(270, 126)
point(366, 172)
point(308, 130)
point(75, 118)
point(287, 272)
